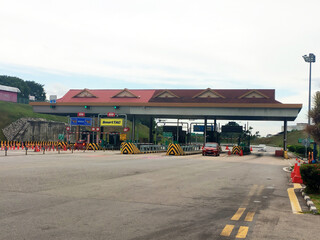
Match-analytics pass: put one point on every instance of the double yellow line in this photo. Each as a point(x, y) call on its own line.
point(243, 230)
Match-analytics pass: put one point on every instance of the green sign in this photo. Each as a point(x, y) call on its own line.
point(61, 136)
point(167, 134)
point(302, 140)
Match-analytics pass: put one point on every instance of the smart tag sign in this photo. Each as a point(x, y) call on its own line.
point(111, 122)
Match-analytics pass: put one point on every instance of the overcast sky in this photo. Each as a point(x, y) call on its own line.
point(70, 44)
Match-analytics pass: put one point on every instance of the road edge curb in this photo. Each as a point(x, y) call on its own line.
point(309, 203)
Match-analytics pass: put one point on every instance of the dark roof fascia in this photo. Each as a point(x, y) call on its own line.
point(157, 104)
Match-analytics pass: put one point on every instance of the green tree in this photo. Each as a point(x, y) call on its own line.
point(16, 82)
point(26, 87)
point(314, 129)
point(36, 90)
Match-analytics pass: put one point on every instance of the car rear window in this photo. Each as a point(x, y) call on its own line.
point(211, 145)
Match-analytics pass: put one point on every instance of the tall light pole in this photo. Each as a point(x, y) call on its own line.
point(310, 59)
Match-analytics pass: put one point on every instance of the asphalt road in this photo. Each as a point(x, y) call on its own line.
point(105, 195)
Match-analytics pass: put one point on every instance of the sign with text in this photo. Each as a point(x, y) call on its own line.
point(111, 114)
point(76, 121)
point(115, 122)
point(167, 134)
point(123, 137)
point(200, 128)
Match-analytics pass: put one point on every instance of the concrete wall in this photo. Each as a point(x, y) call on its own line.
point(34, 129)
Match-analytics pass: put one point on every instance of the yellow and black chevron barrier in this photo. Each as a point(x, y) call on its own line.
point(236, 150)
point(175, 149)
point(92, 146)
point(129, 148)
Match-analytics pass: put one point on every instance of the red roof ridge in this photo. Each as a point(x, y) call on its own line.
point(252, 91)
point(166, 91)
point(208, 90)
point(127, 91)
point(87, 91)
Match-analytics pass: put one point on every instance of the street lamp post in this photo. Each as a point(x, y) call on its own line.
point(310, 59)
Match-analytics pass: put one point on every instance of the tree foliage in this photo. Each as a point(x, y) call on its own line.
point(314, 129)
point(26, 87)
point(36, 90)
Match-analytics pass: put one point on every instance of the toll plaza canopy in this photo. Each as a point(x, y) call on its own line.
point(218, 104)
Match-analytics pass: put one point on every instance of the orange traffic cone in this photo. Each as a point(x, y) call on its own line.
point(227, 148)
point(294, 169)
point(297, 177)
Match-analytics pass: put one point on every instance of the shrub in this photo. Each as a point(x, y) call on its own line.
point(292, 148)
point(300, 149)
point(310, 174)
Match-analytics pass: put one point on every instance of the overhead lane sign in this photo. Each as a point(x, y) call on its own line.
point(200, 128)
point(111, 122)
point(76, 121)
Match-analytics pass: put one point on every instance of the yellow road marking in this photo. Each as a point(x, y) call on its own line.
point(238, 214)
point(242, 233)
point(249, 216)
point(296, 209)
point(297, 185)
point(250, 194)
point(227, 230)
point(252, 190)
point(260, 189)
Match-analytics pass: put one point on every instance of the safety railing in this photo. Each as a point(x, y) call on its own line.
point(149, 148)
point(191, 148)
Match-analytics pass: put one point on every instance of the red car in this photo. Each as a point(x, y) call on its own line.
point(211, 148)
point(81, 145)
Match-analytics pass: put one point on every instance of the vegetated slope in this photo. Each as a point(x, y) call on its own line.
point(10, 112)
point(277, 140)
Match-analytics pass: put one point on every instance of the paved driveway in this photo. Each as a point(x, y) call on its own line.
point(105, 195)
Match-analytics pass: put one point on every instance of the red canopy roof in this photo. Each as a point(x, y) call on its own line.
point(169, 96)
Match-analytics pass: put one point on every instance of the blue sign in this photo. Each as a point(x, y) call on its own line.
point(200, 128)
point(76, 121)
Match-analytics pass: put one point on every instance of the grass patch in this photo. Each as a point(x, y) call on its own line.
point(315, 198)
point(10, 112)
point(292, 139)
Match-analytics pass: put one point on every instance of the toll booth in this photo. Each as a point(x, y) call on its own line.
point(114, 138)
point(237, 135)
point(178, 134)
point(213, 136)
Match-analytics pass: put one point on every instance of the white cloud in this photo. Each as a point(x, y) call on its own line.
point(56, 89)
point(165, 44)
